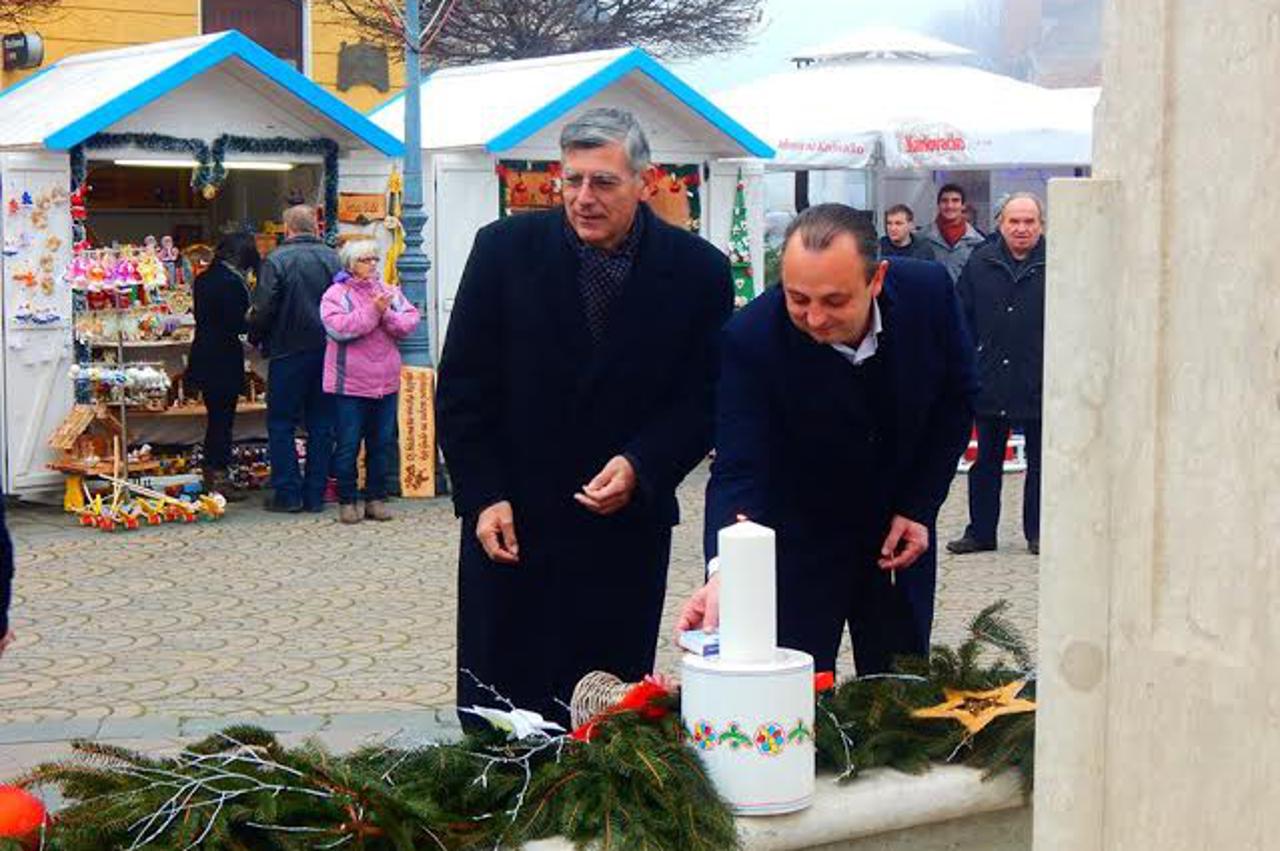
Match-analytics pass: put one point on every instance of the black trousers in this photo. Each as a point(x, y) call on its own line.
point(819, 593)
point(986, 477)
point(219, 423)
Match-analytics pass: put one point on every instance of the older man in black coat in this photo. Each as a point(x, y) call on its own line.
point(844, 403)
point(575, 394)
point(1002, 290)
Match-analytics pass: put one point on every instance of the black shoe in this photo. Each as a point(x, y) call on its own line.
point(1034, 546)
point(271, 505)
point(966, 545)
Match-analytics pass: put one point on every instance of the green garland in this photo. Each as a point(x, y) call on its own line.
point(868, 723)
point(196, 148)
point(635, 783)
point(635, 786)
point(210, 160)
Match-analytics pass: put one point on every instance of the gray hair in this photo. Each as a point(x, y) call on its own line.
point(1029, 196)
point(300, 219)
point(602, 126)
point(352, 251)
point(818, 226)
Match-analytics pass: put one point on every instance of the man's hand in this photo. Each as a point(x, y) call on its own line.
point(702, 610)
point(496, 530)
point(906, 542)
point(611, 489)
point(6, 640)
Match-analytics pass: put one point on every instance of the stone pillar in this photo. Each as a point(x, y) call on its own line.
point(1160, 581)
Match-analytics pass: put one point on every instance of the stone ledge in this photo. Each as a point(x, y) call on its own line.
point(877, 803)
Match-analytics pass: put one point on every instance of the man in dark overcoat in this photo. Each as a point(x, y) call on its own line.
point(1002, 292)
point(843, 406)
point(576, 392)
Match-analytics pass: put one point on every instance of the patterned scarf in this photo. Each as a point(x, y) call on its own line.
point(602, 274)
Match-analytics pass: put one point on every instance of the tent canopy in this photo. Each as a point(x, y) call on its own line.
point(915, 113)
point(496, 106)
point(204, 86)
point(882, 42)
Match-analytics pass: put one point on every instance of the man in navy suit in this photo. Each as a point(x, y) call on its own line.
point(844, 403)
point(576, 391)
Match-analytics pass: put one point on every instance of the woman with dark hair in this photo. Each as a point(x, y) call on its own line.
point(216, 366)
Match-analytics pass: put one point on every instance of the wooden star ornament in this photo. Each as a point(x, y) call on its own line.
point(976, 709)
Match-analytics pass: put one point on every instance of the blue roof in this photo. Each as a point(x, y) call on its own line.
point(546, 81)
point(86, 94)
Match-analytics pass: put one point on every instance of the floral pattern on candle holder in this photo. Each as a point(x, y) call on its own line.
point(771, 739)
point(703, 736)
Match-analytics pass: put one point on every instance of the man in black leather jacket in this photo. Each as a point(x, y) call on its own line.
point(285, 317)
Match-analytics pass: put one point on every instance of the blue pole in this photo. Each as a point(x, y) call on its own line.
point(413, 264)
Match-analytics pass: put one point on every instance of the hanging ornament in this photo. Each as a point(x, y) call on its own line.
point(21, 813)
point(79, 211)
point(209, 191)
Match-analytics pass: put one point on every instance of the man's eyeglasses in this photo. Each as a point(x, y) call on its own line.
point(602, 182)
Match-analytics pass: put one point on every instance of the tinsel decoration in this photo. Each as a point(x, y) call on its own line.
point(744, 285)
point(873, 721)
point(210, 171)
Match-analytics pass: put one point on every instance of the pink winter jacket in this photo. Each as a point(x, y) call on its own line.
point(361, 358)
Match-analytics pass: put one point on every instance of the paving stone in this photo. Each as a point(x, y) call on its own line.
point(261, 617)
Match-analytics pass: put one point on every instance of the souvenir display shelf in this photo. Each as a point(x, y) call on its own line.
point(132, 324)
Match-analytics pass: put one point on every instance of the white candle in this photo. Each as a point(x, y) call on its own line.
point(748, 593)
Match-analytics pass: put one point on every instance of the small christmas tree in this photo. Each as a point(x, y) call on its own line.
point(744, 286)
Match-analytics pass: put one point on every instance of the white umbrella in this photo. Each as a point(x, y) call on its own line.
point(917, 111)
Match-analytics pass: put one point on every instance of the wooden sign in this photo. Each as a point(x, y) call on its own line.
point(417, 417)
point(355, 208)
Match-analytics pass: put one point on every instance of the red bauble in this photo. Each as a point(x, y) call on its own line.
point(21, 813)
point(824, 681)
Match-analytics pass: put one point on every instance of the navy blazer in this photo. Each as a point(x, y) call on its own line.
point(793, 448)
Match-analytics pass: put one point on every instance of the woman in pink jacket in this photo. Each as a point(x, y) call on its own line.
point(364, 319)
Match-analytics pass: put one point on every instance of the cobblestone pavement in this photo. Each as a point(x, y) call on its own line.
point(296, 616)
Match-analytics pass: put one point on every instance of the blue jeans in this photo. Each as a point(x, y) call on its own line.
point(374, 422)
point(295, 396)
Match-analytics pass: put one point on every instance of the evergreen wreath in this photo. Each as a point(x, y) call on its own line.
point(627, 780)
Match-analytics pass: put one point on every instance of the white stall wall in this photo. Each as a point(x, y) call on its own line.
point(37, 392)
point(468, 185)
point(366, 172)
